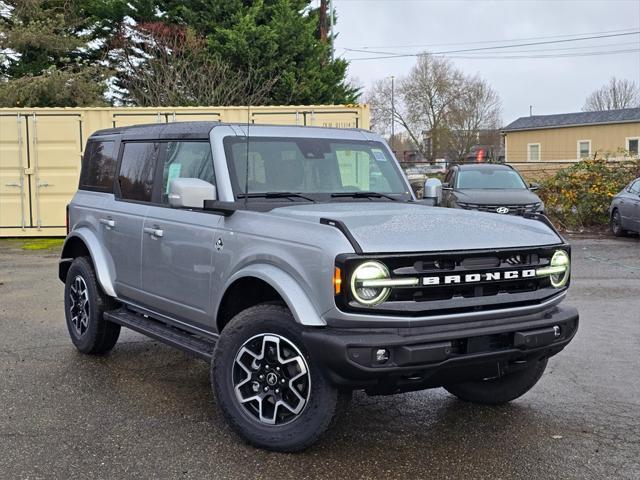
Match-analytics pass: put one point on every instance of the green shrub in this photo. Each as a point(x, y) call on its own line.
point(579, 196)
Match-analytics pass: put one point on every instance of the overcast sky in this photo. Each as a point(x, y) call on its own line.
point(551, 85)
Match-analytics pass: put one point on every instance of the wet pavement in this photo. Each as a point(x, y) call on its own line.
point(146, 410)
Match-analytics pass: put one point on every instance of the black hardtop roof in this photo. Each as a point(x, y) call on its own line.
point(186, 130)
point(199, 129)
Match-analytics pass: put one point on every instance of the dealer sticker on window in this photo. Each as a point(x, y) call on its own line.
point(379, 154)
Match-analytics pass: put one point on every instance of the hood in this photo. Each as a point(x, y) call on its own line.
point(496, 196)
point(381, 227)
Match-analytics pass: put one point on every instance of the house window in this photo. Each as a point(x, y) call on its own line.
point(584, 149)
point(533, 152)
point(632, 146)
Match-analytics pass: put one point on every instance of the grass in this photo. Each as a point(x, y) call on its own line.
point(37, 244)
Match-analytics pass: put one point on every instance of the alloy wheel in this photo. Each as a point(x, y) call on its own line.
point(271, 379)
point(79, 305)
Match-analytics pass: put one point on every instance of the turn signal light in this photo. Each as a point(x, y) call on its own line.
point(337, 280)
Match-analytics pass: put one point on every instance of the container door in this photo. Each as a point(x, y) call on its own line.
point(55, 153)
point(14, 182)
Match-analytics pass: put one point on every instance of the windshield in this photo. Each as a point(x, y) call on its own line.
point(489, 178)
point(312, 166)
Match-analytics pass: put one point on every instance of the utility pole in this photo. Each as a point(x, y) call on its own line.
point(323, 21)
point(333, 50)
point(393, 114)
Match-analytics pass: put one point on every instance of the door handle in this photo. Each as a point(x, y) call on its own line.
point(13, 184)
point(107, 222)
point(154, 232)
point(45, 184)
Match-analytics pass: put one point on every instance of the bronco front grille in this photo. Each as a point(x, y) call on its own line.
point(459, 281)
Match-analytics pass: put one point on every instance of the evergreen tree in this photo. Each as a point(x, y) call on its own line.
point(44, 55)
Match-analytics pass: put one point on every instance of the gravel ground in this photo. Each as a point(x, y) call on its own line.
point(147, 411)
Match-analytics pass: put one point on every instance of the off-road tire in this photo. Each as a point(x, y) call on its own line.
point(99, 335)
point(616, 224)
point(499, 390)
point(323, 400)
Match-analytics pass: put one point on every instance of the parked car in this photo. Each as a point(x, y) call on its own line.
point(624, 211)
point(298, 263)
point(486, 187)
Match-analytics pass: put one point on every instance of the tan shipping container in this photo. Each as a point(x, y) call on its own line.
point(41, 150)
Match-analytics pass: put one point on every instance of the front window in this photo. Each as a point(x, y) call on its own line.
point(312, 166)
point(489, 178)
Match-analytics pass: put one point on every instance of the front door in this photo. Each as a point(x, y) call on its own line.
point(178, 245)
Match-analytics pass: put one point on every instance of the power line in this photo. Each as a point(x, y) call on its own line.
point(483, 42)
point(559, 55)
point(386, 55)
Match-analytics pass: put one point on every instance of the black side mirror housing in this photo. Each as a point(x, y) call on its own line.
point(534, 186)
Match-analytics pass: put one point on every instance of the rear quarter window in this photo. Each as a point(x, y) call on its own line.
point(99, 166)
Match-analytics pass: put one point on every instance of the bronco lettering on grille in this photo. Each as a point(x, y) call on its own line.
point(478, 277)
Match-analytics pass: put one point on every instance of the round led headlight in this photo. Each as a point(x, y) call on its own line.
point(363, 282)
point(559, 266)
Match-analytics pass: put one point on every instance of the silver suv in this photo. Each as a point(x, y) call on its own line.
point(298, 262)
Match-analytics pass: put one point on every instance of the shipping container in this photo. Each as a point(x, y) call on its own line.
point(41, 150)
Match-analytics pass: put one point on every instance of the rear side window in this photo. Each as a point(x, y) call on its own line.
point(137, 169)
point(99, 166)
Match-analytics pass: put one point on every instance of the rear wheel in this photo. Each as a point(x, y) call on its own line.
point(270, 391)
point(84, 305)
point(500, 390)
point(616, 224)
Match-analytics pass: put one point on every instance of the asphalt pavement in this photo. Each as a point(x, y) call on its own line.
point(147, 411)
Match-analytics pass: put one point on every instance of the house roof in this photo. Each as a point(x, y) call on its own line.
point(536, 122)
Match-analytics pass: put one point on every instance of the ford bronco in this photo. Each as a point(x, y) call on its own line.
point(299, 264)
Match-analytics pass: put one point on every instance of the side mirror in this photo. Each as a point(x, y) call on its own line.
point(534, 186)
point(446, 186)
point(433, 191)
point(190, 192)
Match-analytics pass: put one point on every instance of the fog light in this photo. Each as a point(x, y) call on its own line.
point(382, 355)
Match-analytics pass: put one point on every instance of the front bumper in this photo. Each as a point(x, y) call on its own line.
point(425, 357)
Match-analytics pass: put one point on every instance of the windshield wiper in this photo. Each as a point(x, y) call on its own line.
point(363, 195)
point(275, 195)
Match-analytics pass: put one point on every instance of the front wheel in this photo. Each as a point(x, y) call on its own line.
point(270, 391)
point(616, 224)
point(497, 391)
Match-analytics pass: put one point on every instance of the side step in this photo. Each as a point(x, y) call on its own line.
point(202, 348)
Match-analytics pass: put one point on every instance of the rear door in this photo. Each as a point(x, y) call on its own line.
point(178, 244)
point(122, 224)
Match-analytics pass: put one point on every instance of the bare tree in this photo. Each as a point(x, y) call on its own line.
point(477, 109)
point(379, 99)
point(618, 93)
point(429, 93)
point(170, 66)
point(436, 101)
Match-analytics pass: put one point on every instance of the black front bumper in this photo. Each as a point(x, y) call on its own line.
point(421, 358)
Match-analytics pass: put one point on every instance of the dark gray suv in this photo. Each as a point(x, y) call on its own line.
point(486, 187)
point(299, 264)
